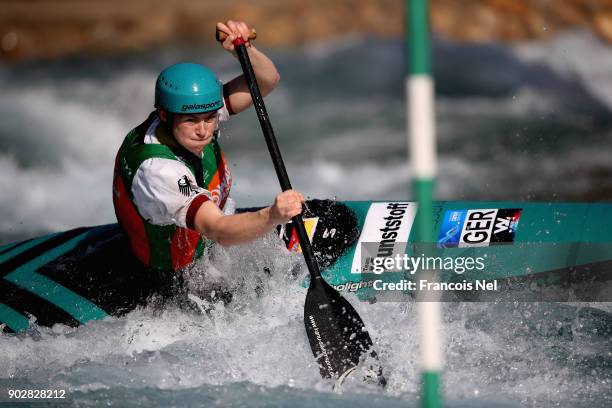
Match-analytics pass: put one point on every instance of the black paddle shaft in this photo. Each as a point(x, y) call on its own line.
point(336, 333)
point(277, 159)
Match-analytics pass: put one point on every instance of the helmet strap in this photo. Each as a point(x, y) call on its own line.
point(217, 131)
point(167, 124)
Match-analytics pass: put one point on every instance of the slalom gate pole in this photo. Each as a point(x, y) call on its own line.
point(419, 89)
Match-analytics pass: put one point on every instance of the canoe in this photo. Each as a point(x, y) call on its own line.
point(89, 273)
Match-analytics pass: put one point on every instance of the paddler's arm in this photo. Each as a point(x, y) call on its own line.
point(265, 70)
point(242, 228)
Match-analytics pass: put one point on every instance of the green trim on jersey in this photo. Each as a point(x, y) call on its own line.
point(132, 153)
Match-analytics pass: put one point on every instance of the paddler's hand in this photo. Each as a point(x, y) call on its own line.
point(286, 205)
point(234, 29)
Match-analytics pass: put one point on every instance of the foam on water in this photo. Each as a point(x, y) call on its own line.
point(529, 353)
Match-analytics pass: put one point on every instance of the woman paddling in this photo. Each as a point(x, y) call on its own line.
point(171, 177)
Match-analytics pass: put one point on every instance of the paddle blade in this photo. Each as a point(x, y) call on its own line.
point(338, 338)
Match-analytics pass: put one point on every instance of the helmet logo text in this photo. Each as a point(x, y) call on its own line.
point(204, 106)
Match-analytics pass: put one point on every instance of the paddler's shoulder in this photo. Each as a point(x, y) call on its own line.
point(147, 141)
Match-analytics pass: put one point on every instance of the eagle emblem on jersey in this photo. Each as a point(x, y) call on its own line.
point(185, 187)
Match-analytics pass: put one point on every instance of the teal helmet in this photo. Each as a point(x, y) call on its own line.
point(188, 88)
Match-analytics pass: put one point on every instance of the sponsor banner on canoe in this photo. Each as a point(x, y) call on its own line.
point(289, 234)
point(387, 226)
point(478, 227)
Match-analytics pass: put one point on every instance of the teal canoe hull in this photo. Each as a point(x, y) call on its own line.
point(89, 273)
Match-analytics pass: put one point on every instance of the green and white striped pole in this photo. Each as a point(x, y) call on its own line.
point(422, 142)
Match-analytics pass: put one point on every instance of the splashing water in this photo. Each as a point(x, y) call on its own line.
point(507, 114)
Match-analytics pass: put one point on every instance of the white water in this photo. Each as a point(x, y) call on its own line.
point(504, 114)
point(522, 122)
point(532, 354)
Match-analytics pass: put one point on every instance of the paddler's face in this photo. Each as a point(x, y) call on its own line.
point(194, 131)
